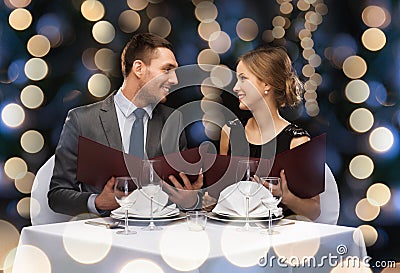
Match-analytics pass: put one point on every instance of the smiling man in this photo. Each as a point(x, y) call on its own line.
point(148, 66)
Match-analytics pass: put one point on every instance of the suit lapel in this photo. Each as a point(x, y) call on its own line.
point(109, 120)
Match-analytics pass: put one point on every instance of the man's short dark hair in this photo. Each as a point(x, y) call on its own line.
point(142, 47)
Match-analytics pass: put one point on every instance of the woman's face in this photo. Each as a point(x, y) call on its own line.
point(249, 88)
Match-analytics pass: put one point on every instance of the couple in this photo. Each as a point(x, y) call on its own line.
point(148, 66)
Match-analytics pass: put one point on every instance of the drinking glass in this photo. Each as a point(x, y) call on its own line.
point(123, 188)
point(274, 185)
point(150, 185)
point(247, 184)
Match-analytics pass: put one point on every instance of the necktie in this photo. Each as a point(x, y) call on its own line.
point(136, 144)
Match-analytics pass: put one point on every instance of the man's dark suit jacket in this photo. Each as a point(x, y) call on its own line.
point(98, 121)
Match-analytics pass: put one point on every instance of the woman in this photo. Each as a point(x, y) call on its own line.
point(267, 82)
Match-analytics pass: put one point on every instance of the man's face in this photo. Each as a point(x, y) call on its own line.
point(159, 76)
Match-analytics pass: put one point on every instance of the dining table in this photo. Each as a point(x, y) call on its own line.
point(223, 246)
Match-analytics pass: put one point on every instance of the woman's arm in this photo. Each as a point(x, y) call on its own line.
point(224, 140)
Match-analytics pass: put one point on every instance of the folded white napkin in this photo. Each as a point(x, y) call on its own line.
point(141, 206)
point(232, 202)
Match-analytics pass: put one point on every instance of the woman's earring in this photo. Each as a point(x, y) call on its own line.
point(266, 92)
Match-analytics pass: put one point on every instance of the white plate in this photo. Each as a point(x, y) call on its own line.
point(174, 217)
point(240, 219)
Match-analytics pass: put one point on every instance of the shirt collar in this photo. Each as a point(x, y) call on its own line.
point(127, 107)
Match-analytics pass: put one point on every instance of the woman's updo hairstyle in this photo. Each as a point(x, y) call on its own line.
point(273, 66)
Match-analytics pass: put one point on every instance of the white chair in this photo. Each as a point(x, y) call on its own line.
point(329, 200)
point(40, 211)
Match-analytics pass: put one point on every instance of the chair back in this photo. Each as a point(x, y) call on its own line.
point(329, 200)
point(40, 211)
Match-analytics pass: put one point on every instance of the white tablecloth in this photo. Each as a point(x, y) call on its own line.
point(77, 247)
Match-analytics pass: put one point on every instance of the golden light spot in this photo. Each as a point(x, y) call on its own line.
point(137, 4)
point(206, 12)
point(208, 88)
point(32, 96)
point(315, 60)
point(99, 85)
point(206, 29)
point(307, 43)
point(373, 39)
point(278, 32)
point(38, 45)
point(321, 8)
point(25, 183)
point(141, 265)
point(308, 70)
point(316, 79)
point(381, 139)
point(378, 194)
point(207, 59)
point(361, 166)
point(354, 67)
point(160, 26)
point(220, 42)
point(247, 29)
point(243, 254)
point(129, 21)
point(20, 19)
point(303, 5)
point(268, 36)
point(221, 76)
point(286, 8)
point(13, 115)
point(312, 108)
point(361, 120)
point(36, 69)
point(212, 130)
point(210, 103)
point(15, 168)
point(213, 122)
point(20, 3)
point(365, 211)
point(32, 141)
point(307, 53)
point(373, 16)
point(278, 21)
point(23, 207)
point(88, 58)
point(9, 261)
point(184, 250)
point(304, 33)
point(357, 91)
point(9, 237)
point(92, 10)
point(105, 59)
point(84, 246)
point(32, 257)
point(103, 32)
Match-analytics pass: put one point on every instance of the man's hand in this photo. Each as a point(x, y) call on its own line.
point(184, 196)
point(106, 200)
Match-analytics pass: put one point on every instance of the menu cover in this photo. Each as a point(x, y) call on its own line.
point(304, 168)
point(97, 163)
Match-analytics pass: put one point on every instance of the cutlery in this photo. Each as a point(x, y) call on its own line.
point(104, 224)
point(276, 225)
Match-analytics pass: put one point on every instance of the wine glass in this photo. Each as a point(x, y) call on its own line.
point(123, 188)
point(150, 185)
point(274, 185)
point(247, 184)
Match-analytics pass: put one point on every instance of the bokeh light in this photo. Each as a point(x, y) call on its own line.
point(99, 85)
point(20, 3)
point(38, 46)
point(160, 26)
point(221, 76)
point(357, 91)
point(24, 184)
point(129, 21)
point(32, 141)
point(373, 39)
point(9, 237)
point(23, 207)
point(207, 58)
point(137, 4)
point(34, 258)
point(374, 16)
point(247, 29)
point(365, 211)
point(220, 42)
point(354, 67)
point(15, 168)
point(378, 194)
point(103, 32)
point(361, 120)
point(141, 265)
point(36, 69)
point(92, 10)
point(13, 115)
point(206, 29)
point(20, 19)
point(206, 12)
point(381, 139)
point(105, 59)
point(361, 166)
point(369, 233)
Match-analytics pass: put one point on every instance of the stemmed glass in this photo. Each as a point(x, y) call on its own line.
point(274, 185)
point(150, 185)
point(123, 188)
point(247, 184)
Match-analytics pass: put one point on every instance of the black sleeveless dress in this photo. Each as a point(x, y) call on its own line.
point(239, 146)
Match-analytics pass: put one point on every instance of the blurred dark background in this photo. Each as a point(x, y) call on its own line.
point(56, 55)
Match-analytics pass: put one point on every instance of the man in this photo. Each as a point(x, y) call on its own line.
point(148, 66)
